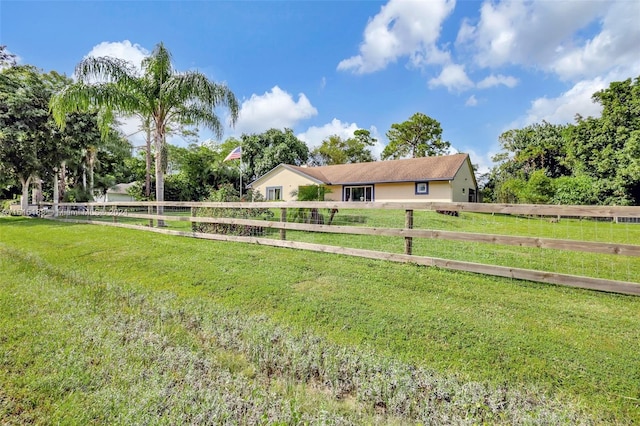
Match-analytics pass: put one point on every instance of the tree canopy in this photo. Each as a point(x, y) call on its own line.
point(420, 136)
point(161, 94)
point(594, 161)
point(31, 145)
point(262, 152)
point(335, 150)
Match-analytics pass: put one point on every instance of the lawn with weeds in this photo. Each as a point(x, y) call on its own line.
point(113, 325)
point(595, 265)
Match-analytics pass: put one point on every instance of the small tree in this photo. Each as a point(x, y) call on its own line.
point(311, 193)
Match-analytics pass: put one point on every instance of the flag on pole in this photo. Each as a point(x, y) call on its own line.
point(235, 154)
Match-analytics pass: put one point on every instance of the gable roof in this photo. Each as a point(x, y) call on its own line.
point(442, 167)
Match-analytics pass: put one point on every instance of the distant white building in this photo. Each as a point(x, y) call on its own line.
point(117, 192)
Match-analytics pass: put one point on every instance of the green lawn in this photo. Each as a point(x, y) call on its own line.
point(119, 326)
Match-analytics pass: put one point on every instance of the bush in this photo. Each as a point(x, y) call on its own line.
point(224, 194)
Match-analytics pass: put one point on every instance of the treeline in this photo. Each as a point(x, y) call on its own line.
point(594, 161)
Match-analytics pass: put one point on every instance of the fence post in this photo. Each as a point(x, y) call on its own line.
point(408, 224)
point(150, 212)
point(194, 212)
point(283, 218)
point(113, 212)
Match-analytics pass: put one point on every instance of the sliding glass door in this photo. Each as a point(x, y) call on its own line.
point(358, 193)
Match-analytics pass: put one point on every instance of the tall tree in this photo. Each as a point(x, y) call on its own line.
point(335, 150)
point(420, 136)
point(607, 149)
point(161, 93)
point(23, 125)
point(262, 152)
point(31, 145)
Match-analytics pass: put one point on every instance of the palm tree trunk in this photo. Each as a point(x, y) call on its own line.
point(147, 176)
point(93, 153)
point(56, 198)
point(159, 139)
point(62, 185)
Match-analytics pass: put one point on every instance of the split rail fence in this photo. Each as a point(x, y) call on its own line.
point(589, 247)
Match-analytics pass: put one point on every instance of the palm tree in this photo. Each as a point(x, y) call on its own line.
point(160, 93)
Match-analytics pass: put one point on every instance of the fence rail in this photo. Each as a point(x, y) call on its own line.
point(621, 251)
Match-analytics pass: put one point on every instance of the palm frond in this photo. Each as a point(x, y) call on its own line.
point(157, 66)
point(197, 115)
point(194, 86)
point(104, 70)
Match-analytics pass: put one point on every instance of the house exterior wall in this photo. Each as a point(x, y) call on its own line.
point(458, 190)
point(335, 194)
point(406, 192)
point(118, 196)
point(287, 180)
point(462, 183)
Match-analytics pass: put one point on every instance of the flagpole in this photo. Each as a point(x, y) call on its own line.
point(240, 170)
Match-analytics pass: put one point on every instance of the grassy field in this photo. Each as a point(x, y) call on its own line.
point(614, 267)
point(118, 326)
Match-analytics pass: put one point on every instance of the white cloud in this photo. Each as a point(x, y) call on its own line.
point(453, 77)
point(496, 80)
point(551, 35)
point(274, 109)
point(563, 109)
point(483, 161)
point(314, 135)
point(133, 53)
point(471, 102)
point(402, 28)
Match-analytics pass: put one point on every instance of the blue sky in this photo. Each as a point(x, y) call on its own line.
point(331, 67)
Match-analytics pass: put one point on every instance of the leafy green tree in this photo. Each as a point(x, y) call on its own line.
point(335, 150)
point(607, 149)
point(420, 136)
point(165, 96)
point(7, 59)
point(31, 145)
point(23, 125)
point(201, 169)
point(574, 190)
point(535, 148)
point(262, 152)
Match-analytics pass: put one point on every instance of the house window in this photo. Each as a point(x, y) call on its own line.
point(274, 193)
point(358, 193)
point(422, 188)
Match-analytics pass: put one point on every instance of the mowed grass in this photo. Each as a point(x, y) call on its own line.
point(61, 283)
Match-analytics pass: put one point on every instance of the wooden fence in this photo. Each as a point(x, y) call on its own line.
point(144, 215)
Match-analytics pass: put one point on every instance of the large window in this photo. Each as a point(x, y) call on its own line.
point(358, 193)
point(274, 193)
point(422, 188)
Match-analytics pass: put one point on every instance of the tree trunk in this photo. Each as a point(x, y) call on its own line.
point(55, 193)
point(62, 184)
point(92, 162)
point(159, 139)
point(147, 177)
point(24, 201)
point(84, 177)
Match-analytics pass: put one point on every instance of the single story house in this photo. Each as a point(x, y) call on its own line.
point(119, 192)
point(442, 178)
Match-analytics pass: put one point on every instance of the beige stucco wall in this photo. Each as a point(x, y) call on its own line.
point(288, 180)
point(438, 191)
point(335, 194)
point(463, 180)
